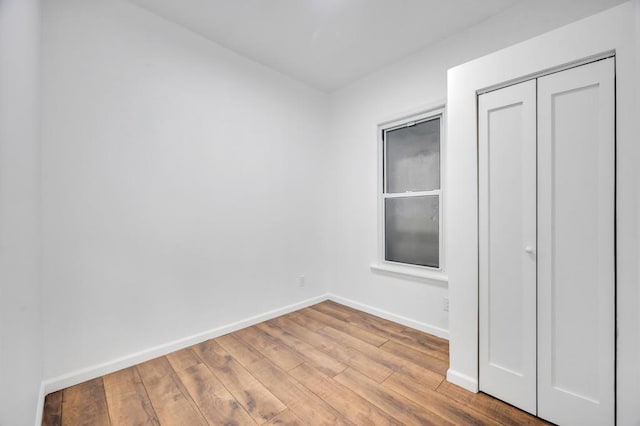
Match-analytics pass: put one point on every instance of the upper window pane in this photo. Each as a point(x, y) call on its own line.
point(412, 157)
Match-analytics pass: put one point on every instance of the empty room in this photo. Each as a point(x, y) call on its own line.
point(319, 212)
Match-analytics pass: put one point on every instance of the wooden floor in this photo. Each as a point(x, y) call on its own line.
point(327, 364)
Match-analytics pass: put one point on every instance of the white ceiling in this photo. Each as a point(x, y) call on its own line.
point(325, 43)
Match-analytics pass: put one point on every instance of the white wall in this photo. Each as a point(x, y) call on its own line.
point(181, 185)
point(407, 85)
point(610, 30)
point(20, 327)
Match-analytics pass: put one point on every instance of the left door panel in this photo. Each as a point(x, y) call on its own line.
point(507, 215)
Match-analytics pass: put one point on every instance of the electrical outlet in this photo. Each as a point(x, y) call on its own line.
point(445, 304)
point(301, 281)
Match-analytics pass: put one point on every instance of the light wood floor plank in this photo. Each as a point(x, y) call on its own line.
point(427, 340)
point(85, 404)
point(171, 401)
point(300, 331)
point(305, 321)
point(376, 325)
point(338, 324)
point(431, 345)
point(299, 399)
point(244, 353)
point(403, 409)
point(52, 415)
point(347, 309)
point(261, 404)
point(270, 347)
point(344, 354)
point(419, 358)
point(392, 362)
point(438, 403)
point(286, 418)
point(312, 356)
point(491, 407)
point(419, 346)
point(183, 359)
point(127, 399)
point(333, 310)
point(215, 402)
point(351, 405)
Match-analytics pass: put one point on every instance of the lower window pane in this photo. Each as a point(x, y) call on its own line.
point(412, 227)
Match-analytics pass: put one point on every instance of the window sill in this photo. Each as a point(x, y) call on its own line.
point(438, 277)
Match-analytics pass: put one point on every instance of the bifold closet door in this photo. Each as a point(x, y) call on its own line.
point(507, 226)
point(576, 265)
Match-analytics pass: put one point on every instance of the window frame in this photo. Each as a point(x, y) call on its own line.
point(399, 121)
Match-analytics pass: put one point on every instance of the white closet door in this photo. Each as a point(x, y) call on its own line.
point(507, 214)
point(576, 281)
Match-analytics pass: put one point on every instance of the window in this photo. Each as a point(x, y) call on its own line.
point(411, 191)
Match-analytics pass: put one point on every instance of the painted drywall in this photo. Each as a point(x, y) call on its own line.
point(418, 81)
point(20, 327)
point(181, 185)
point(612, 30)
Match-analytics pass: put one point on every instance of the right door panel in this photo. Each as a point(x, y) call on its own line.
point(576, 236)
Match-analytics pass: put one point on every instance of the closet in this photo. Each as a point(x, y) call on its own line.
point(546, 165)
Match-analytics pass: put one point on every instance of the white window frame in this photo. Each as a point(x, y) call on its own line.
point(404, 269)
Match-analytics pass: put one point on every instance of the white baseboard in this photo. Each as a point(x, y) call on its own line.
point(82, 375)
point(427, 328)
point(462, 380)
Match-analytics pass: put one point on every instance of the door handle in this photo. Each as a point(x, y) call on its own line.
point(530, 250)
